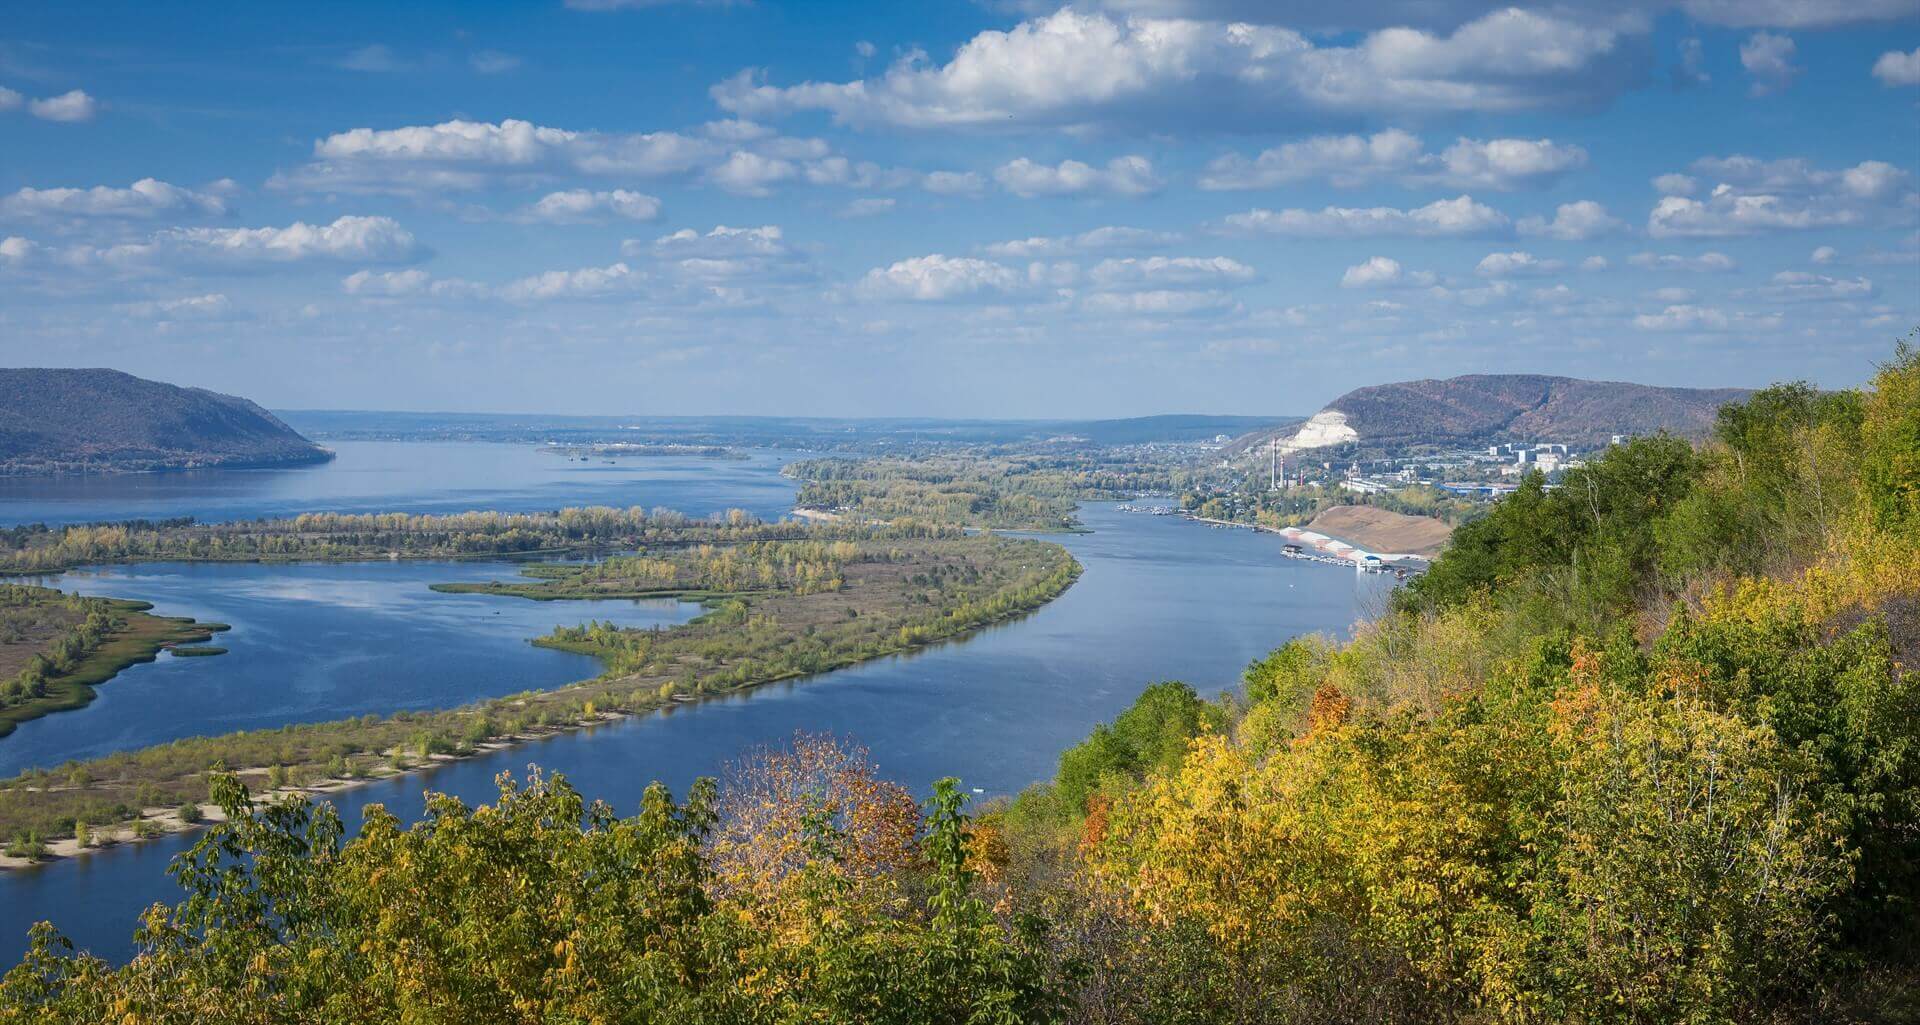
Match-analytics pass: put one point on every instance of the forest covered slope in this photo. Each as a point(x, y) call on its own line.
point(56, 421)
point(1485, 408)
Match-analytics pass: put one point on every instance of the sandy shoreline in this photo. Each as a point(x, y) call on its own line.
point(164, 822)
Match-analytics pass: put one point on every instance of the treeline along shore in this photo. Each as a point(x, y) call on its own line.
point(322, 537)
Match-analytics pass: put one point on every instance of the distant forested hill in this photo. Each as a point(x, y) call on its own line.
point(55, 421)
point(1529, 407)
point(1483, 408)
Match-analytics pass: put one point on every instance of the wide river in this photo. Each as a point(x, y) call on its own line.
point(1160, 599)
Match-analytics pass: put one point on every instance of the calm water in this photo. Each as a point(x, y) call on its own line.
point(1160, 599)
point(312, 642)
point(415, 477)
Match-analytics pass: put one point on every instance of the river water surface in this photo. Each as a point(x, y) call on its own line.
point(312, 642)
point(1160, 599)
point(414, 477)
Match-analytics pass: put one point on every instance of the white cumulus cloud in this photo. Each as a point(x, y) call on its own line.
point(371, 239)
point(71, 106)
point(189, 250)
point(1515, 264)
point(1106, 238)
point(585, 206)
point(1384, 272)
point(751, 174)
point(585, 283)
point(1123, 176)
point(1754, 195)
point(1505, 163)
point(1161, 271)
point(759, 254)
point(1461, 216)
point(1897, 67)
point(1083, 67)
point(468, 154)
point(395, 284)
point(1351, 160)
point(148, 197)
point(1573, 222)
point(938, 278)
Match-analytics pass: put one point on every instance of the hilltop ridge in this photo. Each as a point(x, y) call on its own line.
point(1484, 408)
point(97, 420)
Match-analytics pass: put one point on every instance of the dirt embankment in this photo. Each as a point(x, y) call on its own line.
point(1381, 530)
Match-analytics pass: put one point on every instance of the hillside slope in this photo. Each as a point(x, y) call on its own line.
point(1484, 408)
point(55, 421)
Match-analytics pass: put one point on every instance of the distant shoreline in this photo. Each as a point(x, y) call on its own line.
point(10, 470)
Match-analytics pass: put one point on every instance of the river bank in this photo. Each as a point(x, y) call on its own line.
point(138, 637)
point(821, 631)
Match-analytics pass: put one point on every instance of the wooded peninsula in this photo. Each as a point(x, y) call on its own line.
point(56, 648)
point(783, 600)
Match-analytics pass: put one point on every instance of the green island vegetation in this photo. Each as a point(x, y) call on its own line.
point(320, 537)
point(56, 648)
point(994, 488)
point(697, 572)
point(833, 596)
point(1644, 747)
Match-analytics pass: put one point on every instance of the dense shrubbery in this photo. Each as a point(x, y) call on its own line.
point(1594, 768)
point(1600, 765)
point(543, 908)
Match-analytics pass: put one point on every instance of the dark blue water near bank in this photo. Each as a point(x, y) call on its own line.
point(1160, 599)
point(312, 642)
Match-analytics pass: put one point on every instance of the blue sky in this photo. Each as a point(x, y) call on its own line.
point(953, 208)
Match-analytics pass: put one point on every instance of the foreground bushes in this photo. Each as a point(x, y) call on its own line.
point(541, 907)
